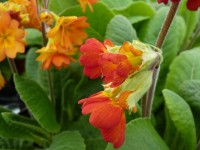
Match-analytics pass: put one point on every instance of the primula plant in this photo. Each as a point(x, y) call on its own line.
point(100, 74)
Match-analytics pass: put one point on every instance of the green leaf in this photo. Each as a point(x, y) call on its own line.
point(119, 30)
point(184, 67)
point(190, 91)
point(31, 65)
point(137, 11)
point(58, 6)
point(29, 127)
point(37, 103)
point(68, 140)
point(98, 20)
point(15, 144)
point(117, 4)
point(141, 135)
point(182, 118)
point(33, 37)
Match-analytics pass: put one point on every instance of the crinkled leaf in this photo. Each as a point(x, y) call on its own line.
point(141, 135)
point(182, 118)
point(184, 67)
point(137, 11)
point(67, 140)
point(28, 126)
point(31, 65)
point(119, 30)
point(117, 4)
point(38, 103)
point(58, 6)
point(190, 91)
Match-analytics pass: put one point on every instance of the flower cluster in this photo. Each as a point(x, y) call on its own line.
point(191, 4)
point(127, 73)
point(63, 40)
point(14, 16)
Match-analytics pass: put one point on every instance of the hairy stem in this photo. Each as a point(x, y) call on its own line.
point(12, 65)
point(159, 43)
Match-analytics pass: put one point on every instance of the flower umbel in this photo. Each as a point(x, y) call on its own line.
point(11, 37)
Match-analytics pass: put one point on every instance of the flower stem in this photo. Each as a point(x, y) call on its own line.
point(45, 40)
point(159, 43)
point(12, 65)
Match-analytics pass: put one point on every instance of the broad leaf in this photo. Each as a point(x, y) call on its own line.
point(117, 4)
point(98, 20)
point(141, 135)
point(58, 6)
point(15, 144)
point(190, 91)
point(28, 126)
point(182, 118)
point(37, 102)
point(31, 65)
point(137, 11)
point(119, 30)
point(68, 140)
point(184, 67)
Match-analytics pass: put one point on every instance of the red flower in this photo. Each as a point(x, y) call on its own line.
point(191, 4)
point(107, 114)
point(90, 58)
point(115, 68)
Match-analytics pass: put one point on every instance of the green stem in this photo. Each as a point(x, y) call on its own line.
point(12, 65)
point(51, 91)
point(159, 43)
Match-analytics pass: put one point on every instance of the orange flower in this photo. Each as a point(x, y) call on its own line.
point(54, 55)
point(91, 56)
point(83, 4)
point(69, 31)
point(107, 114)
point(2, 81)
point(11, 37)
